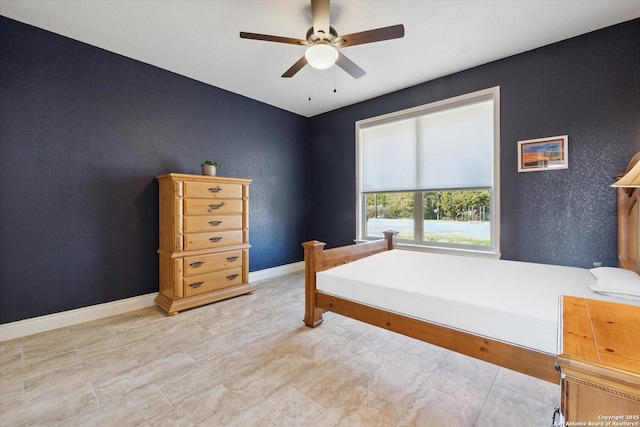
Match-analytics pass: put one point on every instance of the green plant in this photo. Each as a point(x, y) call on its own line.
point(212, 163)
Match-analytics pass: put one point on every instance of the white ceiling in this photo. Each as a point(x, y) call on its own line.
point(200, 39)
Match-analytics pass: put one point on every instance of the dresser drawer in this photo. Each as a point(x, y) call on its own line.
point(212, 190)
point(212, 240)
point(195, 265)
point(212, 223)
point(207, 206)
point(212, 281)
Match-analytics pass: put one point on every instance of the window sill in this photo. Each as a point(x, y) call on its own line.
point(449, 251)
point(441, 250)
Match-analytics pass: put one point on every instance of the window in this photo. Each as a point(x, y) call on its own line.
point(431, 173)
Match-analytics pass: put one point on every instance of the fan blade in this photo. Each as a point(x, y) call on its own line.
point(320, 17)
point(371, 36)
point(349, 66)
point(268, 38)
point(295, 67)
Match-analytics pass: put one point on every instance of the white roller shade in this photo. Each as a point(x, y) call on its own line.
point(456, 148)
point(388, 156)
point(442, 149)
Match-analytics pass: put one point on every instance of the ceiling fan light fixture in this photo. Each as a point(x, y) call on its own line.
point(321, 56)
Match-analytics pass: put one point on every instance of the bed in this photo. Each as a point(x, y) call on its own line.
point(470, 306)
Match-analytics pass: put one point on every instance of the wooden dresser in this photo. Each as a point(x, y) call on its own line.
point(204, 240)
point(600, 362)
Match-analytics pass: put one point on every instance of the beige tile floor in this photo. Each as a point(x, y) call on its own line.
point(250, 361)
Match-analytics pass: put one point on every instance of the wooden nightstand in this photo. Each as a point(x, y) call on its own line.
point(600, 362)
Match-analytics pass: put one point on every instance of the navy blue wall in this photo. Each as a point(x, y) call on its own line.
point(587, 87)
point(84, 132)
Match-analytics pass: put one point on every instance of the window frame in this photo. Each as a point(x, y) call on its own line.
point(419, 243)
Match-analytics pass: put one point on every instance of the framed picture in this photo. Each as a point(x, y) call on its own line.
point(543, 154)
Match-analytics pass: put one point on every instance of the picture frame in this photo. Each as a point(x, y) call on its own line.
point(543, 154)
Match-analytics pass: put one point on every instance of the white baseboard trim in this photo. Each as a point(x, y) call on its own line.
point(268, 273)
point(22, 328)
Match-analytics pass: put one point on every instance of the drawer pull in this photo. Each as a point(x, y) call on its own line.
point(215, 189)
point(217, 205)
point(215, 223)
point(232, 258)
point(216, 239)
point(196, 284)
point(232, 276)
point(196, 264)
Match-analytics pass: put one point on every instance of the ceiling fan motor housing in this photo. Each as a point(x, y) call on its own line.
point(312, 38)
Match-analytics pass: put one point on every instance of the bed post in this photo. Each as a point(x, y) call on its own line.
point(391, 237)
point(313, 258)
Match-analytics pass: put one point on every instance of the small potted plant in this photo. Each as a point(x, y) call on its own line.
point(209, 167)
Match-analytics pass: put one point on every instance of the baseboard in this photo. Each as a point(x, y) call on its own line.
point(22, 328)
point(268, 273)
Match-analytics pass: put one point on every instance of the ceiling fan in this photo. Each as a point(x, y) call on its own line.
point(323, 40)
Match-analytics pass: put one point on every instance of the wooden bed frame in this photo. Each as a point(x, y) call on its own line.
point(528, 361)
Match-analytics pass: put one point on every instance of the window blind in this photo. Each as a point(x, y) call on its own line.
point(449, 148)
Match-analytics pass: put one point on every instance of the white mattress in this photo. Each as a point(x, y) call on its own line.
point(515, 302)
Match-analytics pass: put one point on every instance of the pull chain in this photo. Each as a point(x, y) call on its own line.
point(335, 80)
